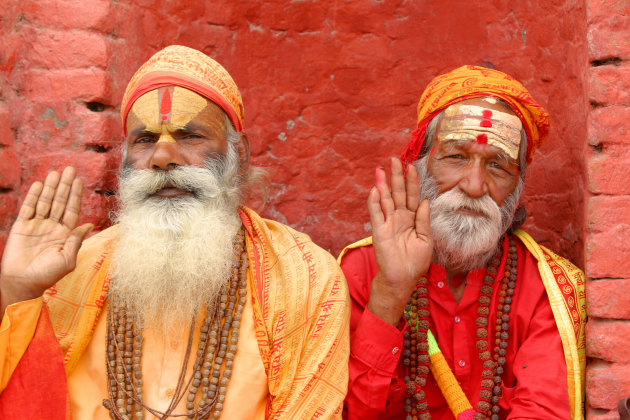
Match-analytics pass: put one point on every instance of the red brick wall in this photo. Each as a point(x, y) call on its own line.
point(607, 206)
point(330, 90)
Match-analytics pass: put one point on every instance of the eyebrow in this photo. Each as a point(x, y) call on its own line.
point(140, 130)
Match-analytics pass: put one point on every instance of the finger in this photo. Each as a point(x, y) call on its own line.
point(423, 221)
point(73, 207)
point(385, 196)
point(28, 206)
point(74, 241)
point(45, 198)
point(399, 195)
point(412, 185)
point(374, 208)
point(62, 193)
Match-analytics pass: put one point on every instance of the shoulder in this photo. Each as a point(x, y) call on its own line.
point(98, 243)
point(358, 263)
point(548, 259)
point(285, 255)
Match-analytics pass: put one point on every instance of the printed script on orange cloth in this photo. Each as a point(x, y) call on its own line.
point(293, 347)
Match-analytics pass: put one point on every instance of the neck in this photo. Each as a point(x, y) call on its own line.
point(456, 281)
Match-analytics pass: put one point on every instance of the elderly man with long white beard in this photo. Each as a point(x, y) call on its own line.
point(455, 312)
point(192, 305)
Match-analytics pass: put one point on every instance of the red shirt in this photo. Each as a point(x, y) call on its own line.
point(534, 382)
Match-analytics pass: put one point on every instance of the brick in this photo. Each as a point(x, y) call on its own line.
point(9, 169)
point(605, 299)
point(6, 135)
point(598, 414)
point(8, 209)
point(83, 84)
point(605, 211)
point(607, 339)
point(610, 85)
point(608, 29)
point(608, 171)
point(93, 14)
point(606, 253)
point(67, 49)
point(606, 384)
point(609, 125)
point(600, 10)
point(608, 219)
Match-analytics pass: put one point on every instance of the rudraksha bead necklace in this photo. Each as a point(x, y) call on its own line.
point(218, 341)
point(415, 338)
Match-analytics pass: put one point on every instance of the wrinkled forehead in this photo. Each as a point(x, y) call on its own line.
point(484, 121)
point(168, 105)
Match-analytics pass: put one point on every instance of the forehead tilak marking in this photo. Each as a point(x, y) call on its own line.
point(471, 122)
point(165, 95)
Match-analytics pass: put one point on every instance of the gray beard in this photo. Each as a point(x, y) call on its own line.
point(174, 256)
point(465, 242)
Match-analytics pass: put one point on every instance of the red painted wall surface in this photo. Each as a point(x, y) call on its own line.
point(608, 207)
point(330, 89)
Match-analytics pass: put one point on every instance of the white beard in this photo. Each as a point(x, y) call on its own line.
point(175, 255)
point(465, 242)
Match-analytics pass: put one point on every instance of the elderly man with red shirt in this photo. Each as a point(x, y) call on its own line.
point(457, 313)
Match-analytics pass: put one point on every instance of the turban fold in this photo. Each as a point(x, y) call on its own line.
point(177, 65)
point(471, 82)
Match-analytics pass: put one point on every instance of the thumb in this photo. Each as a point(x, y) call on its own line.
point(74, 241)
point(423, 221)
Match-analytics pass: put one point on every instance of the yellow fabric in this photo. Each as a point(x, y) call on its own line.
point(565, 288)
point(457, 401)
point(300, 308)
point(16, 331)
point(564, 283)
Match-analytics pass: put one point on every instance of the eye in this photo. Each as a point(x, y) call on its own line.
point(144, 139)
point(455, 156)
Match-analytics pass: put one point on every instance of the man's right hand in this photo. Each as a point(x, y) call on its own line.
point(44, 241)
point(402, 240)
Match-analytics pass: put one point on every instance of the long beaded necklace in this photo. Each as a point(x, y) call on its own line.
point(417, 338)
point(212, 369)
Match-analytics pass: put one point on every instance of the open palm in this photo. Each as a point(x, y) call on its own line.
point(44, 240)
point(401, 236)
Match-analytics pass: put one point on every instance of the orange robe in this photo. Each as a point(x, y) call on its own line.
point(293, 343)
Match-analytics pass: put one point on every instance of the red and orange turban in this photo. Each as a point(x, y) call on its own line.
point(191, 69)
point(471, 82)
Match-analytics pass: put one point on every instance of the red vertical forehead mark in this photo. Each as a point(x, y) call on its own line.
point(165, 98)
point(482, 139)
point(486, 123)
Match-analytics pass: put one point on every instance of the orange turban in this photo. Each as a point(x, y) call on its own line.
point(191, 69)
point(474, 81)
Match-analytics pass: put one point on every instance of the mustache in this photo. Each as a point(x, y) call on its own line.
point(455, 199)
point(219, 174)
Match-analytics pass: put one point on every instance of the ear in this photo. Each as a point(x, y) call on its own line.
point(243, 152)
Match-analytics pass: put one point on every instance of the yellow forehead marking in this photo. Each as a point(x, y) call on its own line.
point(486, 126)
point(168, 109)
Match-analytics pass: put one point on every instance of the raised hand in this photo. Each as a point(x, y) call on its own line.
point(44, 241)
point(402, 240)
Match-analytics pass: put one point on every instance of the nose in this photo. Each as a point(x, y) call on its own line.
point(474, 182)
point(166, 156)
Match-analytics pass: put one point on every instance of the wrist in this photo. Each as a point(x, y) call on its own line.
point(13, 291)
point(386, 302)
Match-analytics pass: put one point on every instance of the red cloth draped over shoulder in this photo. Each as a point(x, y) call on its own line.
point(38, 388)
